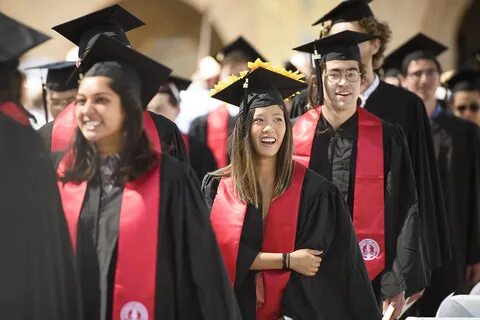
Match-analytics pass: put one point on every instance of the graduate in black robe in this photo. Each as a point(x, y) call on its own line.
point(339, 288)
point(37, 272)
point(113, 22)
point(332, 150)
point(398, 106)
point(190, 279)
point(456, 145)
point(167, 103)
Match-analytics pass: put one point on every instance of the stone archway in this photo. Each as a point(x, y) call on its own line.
point(468, 40)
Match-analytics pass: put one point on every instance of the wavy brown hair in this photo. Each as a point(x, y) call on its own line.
point(373, 27)
point(242, 166)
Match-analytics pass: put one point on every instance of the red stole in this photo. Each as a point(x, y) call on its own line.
point(14, 112)
point(135, 274)
point(217, 134)
point(65, 125)
point(227, 217)
point(186, 142)
point(368, 201)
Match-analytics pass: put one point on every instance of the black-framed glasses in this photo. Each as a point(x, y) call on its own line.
point(335, 76)
point(473, 107)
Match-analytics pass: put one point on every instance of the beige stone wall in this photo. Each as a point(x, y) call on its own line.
point(275, 26)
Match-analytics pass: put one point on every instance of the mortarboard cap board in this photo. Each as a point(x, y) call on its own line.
point(60, 75)
point(240, 45)
point(152, 74)
point(17, 38)
point(339, 46)
point(347, 11)
point(464, 80)
point(418, 47)
point(260, 87)
point(112, 21)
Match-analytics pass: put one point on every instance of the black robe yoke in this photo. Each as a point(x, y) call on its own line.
point(457, 146)
point(341, 288)
point(201, 158)
point(170, 137)
point(191, 279)
point(37, 271)
point(334, 156)
point(198, 128)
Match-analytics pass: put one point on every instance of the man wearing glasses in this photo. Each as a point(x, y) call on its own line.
point(457, 148)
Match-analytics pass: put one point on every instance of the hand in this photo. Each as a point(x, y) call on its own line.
point(397, 301)
point(305, 261)
point(472, 274)
point(414, 297)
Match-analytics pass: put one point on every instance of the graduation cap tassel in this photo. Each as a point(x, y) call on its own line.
point(244, 109)
point(44, 100)
point(318, 73)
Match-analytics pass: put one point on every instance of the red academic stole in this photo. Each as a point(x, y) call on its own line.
point(135, 274)
point(368, 201)
point(186, 142)
point(227, 217)
point(65, 125)
point(217, 134)
point(14, 112)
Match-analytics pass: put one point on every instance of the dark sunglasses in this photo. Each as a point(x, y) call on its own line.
point(473, 107)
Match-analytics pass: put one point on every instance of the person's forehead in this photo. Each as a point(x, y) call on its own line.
point(342, 26)
point(422, 64)
point(60, 94)
point(341, 64)
point(464, 94)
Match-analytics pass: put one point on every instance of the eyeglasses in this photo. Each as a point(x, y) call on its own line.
point(428, 73)
point(474, 107)
point(335, 76)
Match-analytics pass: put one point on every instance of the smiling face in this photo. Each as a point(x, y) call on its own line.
point(99, 114)
point(341, 84)
point(267, 131)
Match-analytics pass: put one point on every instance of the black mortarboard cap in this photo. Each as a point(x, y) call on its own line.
point(244, 47)
point(347, 11)
point(339, 46)
point(265, 88)
point(174, 85)
point(60, 75)
point(112, 21)
point(464, 80)
point(179, 82)
point(418, 47)
point(16, 38)
point(152, 74)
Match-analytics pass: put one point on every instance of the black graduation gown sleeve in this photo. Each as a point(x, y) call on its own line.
point(198, 129)
point(170, 137)
point(37, 273)
point(201, 158)
point(404, 108)
point(341, 289)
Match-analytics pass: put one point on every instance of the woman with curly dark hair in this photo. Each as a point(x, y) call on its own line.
point(136, 218)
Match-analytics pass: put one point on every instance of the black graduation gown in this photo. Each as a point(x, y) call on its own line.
point(198, 128)
point(170, 137)
point(201, 158)
point(334, 155)
point(191, 279)
point(341, 288)
point(37, 271)
point(398, 106)
point(457, 147)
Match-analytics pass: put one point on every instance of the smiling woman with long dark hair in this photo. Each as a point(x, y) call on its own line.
point(136, 217)
point(284, 232)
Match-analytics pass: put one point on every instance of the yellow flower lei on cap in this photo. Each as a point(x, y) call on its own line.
point(255, 65)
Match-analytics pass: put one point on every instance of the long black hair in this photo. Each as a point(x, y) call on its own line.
point(137, 155)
